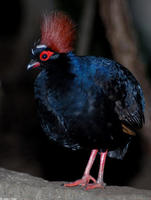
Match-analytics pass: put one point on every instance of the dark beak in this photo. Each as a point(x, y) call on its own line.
point(33, 64)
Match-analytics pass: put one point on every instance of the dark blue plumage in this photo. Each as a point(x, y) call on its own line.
point(87, 102)
point(83, 102)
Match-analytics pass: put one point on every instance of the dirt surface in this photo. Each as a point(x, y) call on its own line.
point(20, 186)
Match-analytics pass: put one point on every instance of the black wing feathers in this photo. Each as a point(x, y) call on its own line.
point(125, 92)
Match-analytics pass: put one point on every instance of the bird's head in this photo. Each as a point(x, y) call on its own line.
point(42, 56)
point(57, 37)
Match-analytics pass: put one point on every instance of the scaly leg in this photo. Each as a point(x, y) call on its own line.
point(99, 183)
point(86, 176)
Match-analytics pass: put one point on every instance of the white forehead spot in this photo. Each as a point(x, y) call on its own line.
point(41, 46)
point(32, 51)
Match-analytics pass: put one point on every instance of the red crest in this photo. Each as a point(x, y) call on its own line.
point(58, 32)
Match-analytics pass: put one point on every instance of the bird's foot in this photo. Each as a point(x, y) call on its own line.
point(82, 182)
point(95, 185)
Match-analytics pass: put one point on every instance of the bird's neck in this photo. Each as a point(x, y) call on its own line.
point(60, 67)
point(60, 73)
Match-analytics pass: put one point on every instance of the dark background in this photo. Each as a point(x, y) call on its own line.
point(23, 145)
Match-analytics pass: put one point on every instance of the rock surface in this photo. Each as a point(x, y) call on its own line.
point(20, 186)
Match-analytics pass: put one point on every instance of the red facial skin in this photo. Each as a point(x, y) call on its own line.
point(45, 55)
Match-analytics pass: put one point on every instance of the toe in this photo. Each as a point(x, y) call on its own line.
point(94, 186)
point(82, 182)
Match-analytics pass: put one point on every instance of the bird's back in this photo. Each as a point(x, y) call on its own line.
point(120, 87)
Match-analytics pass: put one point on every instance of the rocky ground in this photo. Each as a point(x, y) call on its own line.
point(20, 186)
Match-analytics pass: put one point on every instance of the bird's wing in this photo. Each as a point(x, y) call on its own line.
point(131, 115)
point(121, 87)
point(130, 105)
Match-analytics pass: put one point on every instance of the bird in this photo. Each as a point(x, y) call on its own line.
point(84, 102)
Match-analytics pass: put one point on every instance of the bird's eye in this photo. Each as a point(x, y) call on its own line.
point(45, 55)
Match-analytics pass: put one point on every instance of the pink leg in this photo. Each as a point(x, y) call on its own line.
point(86, 176)
point(99, 183)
